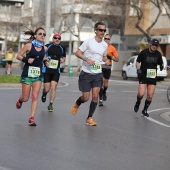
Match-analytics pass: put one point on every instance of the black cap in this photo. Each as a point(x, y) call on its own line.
point(155, 42)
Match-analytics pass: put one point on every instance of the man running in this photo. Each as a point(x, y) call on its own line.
point(106, 70)
point(146, 65)
point(56, 55)
point(93, 52)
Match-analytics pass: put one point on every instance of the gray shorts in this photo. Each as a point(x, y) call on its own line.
point(88, 81)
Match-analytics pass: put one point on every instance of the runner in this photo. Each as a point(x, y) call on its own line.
point(147, 71)
point(56, 55)
point(31, 76)
point(9, 56)
point(106, 70)
point(93, 52)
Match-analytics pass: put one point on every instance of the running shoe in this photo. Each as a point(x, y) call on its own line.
point(43, 98)
point(90, 122)
point(18, 104)
point(100, 102)
point(50, 108)
point(144, 113)
point(136, 107)
point(31, 122)
point(104, 97)
point(74, 109)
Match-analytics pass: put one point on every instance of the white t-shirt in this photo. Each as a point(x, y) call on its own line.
point(93, 50)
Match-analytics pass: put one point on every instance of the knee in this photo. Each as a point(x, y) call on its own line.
point(85, 98)
point(34, 97)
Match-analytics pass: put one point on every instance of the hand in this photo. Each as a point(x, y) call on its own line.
point(31, 60)
point(107, 62)
point(109, 57)
point(139, 73)
point(62, 60)
point(90, 62)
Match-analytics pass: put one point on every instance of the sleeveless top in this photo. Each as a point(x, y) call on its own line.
point(34, 69)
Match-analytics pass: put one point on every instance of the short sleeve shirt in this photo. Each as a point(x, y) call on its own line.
point(149, 60)
point(93, 50)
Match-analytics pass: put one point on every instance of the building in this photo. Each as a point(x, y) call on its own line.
point(10, 21)
point(161, 29)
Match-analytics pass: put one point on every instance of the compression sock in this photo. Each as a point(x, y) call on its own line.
point(101, 94)
point(92, 108)
point(104, 90)
point(79, 101)
point(138, 100)
point(147, 104)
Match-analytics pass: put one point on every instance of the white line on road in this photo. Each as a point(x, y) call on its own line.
point(156, 121)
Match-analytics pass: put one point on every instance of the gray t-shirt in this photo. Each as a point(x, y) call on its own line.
point(93, 50)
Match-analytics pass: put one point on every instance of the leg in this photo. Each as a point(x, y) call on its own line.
point(150, 93)
point(34, 103)
point(46, 89)
point(52, 95)
point(141, 93)
point(24, 96)
point(105, 86)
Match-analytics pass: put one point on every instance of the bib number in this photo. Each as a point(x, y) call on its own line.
point(33, 71)
point(53, 64)
point(151, 73)
point(97, 68)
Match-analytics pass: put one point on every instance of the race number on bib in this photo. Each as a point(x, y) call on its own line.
point(53, 64)
point(97, 68)
point(151, 73)
point(33, 71)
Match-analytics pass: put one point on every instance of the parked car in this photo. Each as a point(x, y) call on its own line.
point(129, 69)
point(2, 61)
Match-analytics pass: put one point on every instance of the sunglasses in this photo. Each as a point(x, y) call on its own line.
point(56, 38)
point(42, 34)
point(106, 38)
point(101, 30)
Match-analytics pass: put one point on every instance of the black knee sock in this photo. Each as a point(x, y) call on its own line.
point(92, 108)
point(138, 100)
point(51, 103)
point(147, 104)
point(100, 93)
point(79, 101)
point(44, 93)
point(104, 90)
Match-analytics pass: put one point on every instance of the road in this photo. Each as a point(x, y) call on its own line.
point(122, 140)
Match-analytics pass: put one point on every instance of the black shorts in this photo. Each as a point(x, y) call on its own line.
point(145, 80)
point(106, 73)
point(88, 81)
point(9, 62)
point(48, 77)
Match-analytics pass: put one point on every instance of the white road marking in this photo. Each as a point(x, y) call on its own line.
point(3, 168)
point(156, 121)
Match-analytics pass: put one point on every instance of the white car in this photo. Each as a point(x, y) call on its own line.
point(129, 69)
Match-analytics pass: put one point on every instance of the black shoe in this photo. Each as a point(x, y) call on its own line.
point(100, 102)
point(43, 98)
point(50, 108)
point(104, 97)
point(144, 113)
point(136, 107)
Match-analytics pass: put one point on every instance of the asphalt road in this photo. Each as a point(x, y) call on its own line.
point(122, 140)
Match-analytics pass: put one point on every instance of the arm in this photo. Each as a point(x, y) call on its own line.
point(24, 50)
point(79, 54)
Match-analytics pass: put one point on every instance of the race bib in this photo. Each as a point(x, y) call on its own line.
point(97, 68)
point(151, 73)
point(33, 71)
point(53, 64)
point(9, 57)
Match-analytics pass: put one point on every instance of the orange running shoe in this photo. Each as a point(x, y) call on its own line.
point(74, 109)
point(90, 122)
